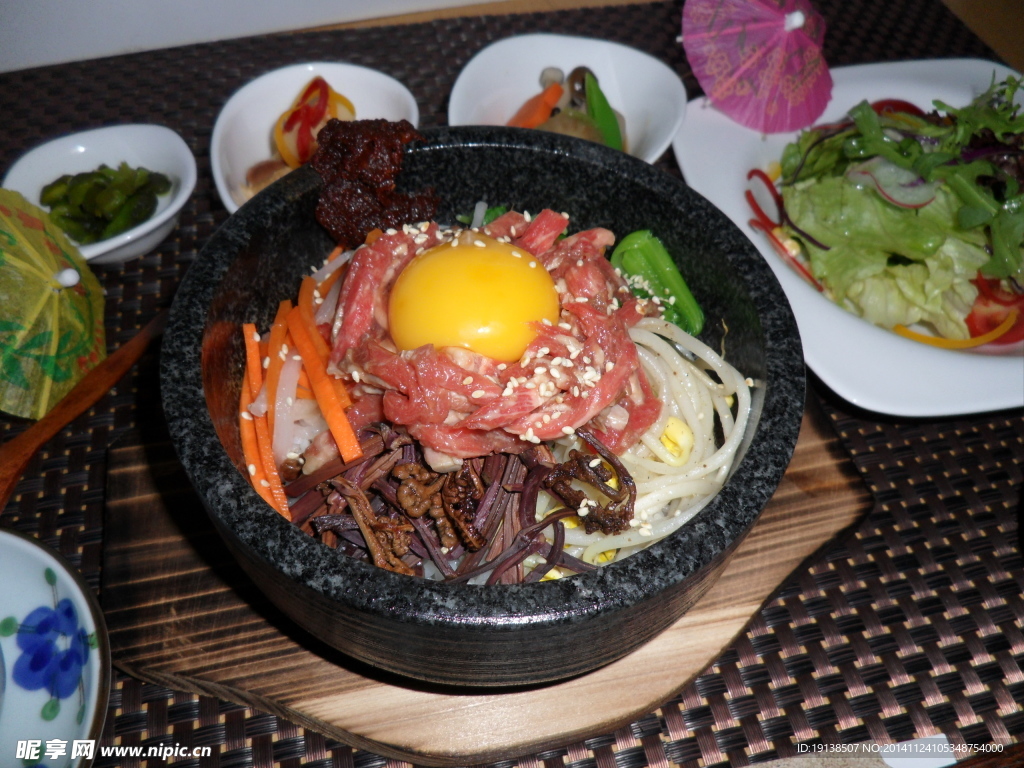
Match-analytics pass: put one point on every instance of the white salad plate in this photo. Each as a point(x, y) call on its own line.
point(868, 366)
point(500, 78)
point(54, 659)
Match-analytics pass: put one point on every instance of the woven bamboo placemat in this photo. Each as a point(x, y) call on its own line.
point(910, 626)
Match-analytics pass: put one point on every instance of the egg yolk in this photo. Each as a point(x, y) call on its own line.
point(473, 292)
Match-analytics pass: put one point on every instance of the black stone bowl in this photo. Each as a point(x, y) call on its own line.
point(461, 634)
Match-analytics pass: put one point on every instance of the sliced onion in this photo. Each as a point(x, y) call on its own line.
point(284, 400)
point(331, 266)
point(898, 185)
point(479, 211)
point(325, 312)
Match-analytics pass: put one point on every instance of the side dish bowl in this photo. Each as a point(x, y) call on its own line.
point(243, 131)
point(463, 634)
point(154, 147)
point(54, 653)
point(648, 94)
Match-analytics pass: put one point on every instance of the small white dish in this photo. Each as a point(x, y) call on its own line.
point(243, 132)
point(866, 365)
point(501, 77)
point(151, 146)
point(54, 658)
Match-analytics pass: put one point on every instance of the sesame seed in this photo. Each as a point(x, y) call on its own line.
point(609, 365)
point(749, 382)
point(526, 216)
point(468, 380)
point(533, 265)
point(291, 455)
point(565, 326)
point(594, 462)
point(252, 469)
point(255, 336)
point(546, 418)
point(266, 361)
point(502, 366)
point(579, 262)
point(246, 415)
point(479, 243)
point(539, 370)
point(517, 254)
point(478, 393)
point(355, 376)
point(264, 483)
point(581, 299)
point(289, 401)
point(392, 231)
point(568, 431)
point(297, 357)
point(530, 385)
point(545, 321)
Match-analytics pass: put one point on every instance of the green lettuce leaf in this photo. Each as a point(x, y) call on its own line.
point(890, 265)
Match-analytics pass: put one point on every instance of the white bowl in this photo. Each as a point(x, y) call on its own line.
point(67, 702)
point(496, 82)
point(151, 146)
point(243, 133)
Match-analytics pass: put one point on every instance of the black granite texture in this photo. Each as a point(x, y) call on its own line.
point(461, 634)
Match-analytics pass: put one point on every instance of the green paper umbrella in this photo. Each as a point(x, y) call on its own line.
point(51, 311)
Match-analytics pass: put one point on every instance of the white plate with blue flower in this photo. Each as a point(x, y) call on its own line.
point(54, 659)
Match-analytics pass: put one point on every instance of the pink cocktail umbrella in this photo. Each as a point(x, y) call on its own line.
point(759, 61)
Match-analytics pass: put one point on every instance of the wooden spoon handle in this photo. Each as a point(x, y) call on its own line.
point(16, 453)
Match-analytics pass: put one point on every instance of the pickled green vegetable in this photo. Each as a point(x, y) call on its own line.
point(97, 205)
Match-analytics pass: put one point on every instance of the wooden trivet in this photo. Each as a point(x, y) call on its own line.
point(182, 614)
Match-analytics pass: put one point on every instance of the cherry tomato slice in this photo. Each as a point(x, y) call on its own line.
point(991, 308)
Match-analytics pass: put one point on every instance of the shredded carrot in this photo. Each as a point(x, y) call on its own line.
point(253, 359)
point(326, 394)
point(307, 293)
point(256, 430)
point(250, 449)
point(537, 109)
point(278, 337)
point(266, 448)
point(373, 235)
point(974, 341)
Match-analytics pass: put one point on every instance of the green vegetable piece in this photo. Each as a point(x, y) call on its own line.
point(81, 184)
point(642, 255)
point(601, 112)
point(159, 184)
point(55, 191)
point(108, 202)
point(135, 210)
point(494, 212)
point(74, 228)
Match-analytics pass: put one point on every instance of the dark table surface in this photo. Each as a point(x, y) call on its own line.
point(919, 610)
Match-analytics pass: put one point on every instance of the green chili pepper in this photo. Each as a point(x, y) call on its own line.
point(99, 204)
point(642, 256)
point(135, 210)
point(601, 112)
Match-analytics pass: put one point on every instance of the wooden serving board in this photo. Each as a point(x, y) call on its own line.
point(183, 615)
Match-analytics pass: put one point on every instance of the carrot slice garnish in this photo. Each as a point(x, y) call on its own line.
point(974, 341)
point(537, 109)
point(324, 387)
